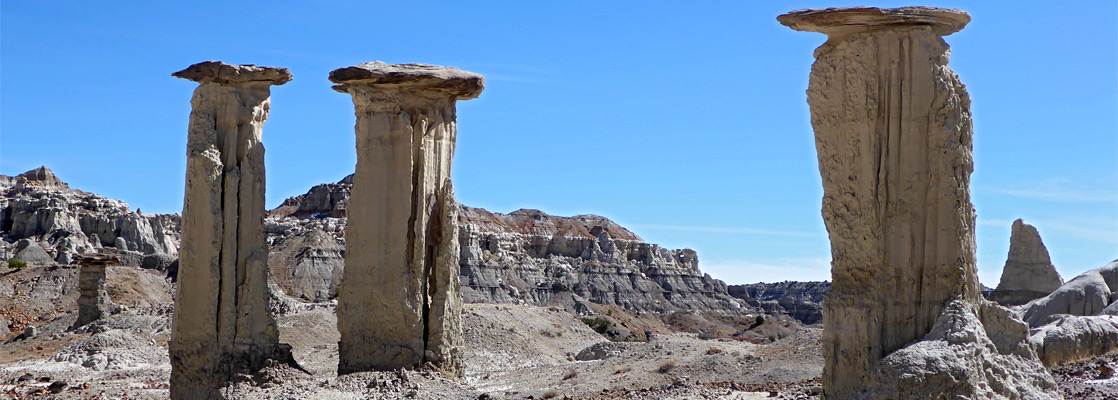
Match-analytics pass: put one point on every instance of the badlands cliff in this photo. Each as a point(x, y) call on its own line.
point(526, 256)
point(59, 222)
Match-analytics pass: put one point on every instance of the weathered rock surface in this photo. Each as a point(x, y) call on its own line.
point(533, 257)
point(800, 300)
point(1088, 294)
point(893, 131)
point(523, 256)
point(1077, 321)
point(30, 252)
point(1066, 338)
point(1028, 273)
point(970, 353)
point(399, 303)
point(93, 299)
point(308, 264)
point(222, 321)
point(325, 200)
point(65, 222)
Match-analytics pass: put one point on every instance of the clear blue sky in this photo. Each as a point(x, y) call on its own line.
point(686, 123)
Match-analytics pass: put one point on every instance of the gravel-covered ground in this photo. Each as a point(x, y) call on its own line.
point(511, 352)
point(1094, 379)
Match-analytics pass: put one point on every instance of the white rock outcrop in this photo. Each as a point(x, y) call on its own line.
point(398, 303)
point(1028, 273)
point(1078, 321)
point(972, 352)
point(221, 322)
point(38, 206)
point(893, 131)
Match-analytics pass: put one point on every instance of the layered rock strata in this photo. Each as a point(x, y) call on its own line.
point(399, 304)
point(532, 257)
point(39, 207)
point(893, 131)
point(221, 321)
point(524, 256)
point(1028, 273)
point(93, 299)
point(800, 300)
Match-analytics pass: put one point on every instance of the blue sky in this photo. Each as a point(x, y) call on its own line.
point(686, 123)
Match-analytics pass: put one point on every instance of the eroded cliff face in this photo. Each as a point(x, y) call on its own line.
point(533, 257)
point(65, 222)
point(524, 256)
point(800, 300)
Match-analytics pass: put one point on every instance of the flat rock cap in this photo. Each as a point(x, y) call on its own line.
point(421, 77)
point(837, 22)
point(219, 72)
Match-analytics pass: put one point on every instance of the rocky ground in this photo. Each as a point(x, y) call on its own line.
point(1093, 379)
point(512, 351)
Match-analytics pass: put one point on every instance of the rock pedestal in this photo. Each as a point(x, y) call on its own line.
point(221, 321)
point(893, 132)
point(93, 300)
point(1028, 273)
point(399, 303)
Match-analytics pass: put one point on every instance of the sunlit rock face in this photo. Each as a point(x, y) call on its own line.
point(893, 133)
point(398, 303)
point(1028, 273)
point(41, 208)
point(524, 256)
point(222, 321)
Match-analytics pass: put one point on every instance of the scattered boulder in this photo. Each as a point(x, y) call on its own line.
point(157, 261)
point(1066, 339)
point(30, 252)
point(1028, 273)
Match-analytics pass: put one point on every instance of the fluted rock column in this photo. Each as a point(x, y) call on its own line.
point(222, 321)
point(893, 131)
point(398, 303)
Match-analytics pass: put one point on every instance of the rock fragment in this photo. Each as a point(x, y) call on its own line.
point(221, 320)
point(398, 303)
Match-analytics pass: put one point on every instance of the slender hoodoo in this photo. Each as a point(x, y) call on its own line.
point(893, 130)
point(398, 303)
point(222, 321)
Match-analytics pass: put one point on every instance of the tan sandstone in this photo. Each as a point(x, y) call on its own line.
point(221, 321)
point(1028, 273)
point(398, 303)
point(893, 133)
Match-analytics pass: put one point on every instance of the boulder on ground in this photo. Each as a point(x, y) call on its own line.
point(30, 252)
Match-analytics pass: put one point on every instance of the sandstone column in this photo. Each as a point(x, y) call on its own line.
point(398, 304)
point(893, 131)
point(222, 322)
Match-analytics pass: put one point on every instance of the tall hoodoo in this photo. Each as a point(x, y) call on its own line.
point(398, 303)
point(222, 321)
point(893, 130)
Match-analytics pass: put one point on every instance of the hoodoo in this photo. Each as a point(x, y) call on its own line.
point(222, 321)
point(893, 131)
point(1028, 273)
point(398, 303)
